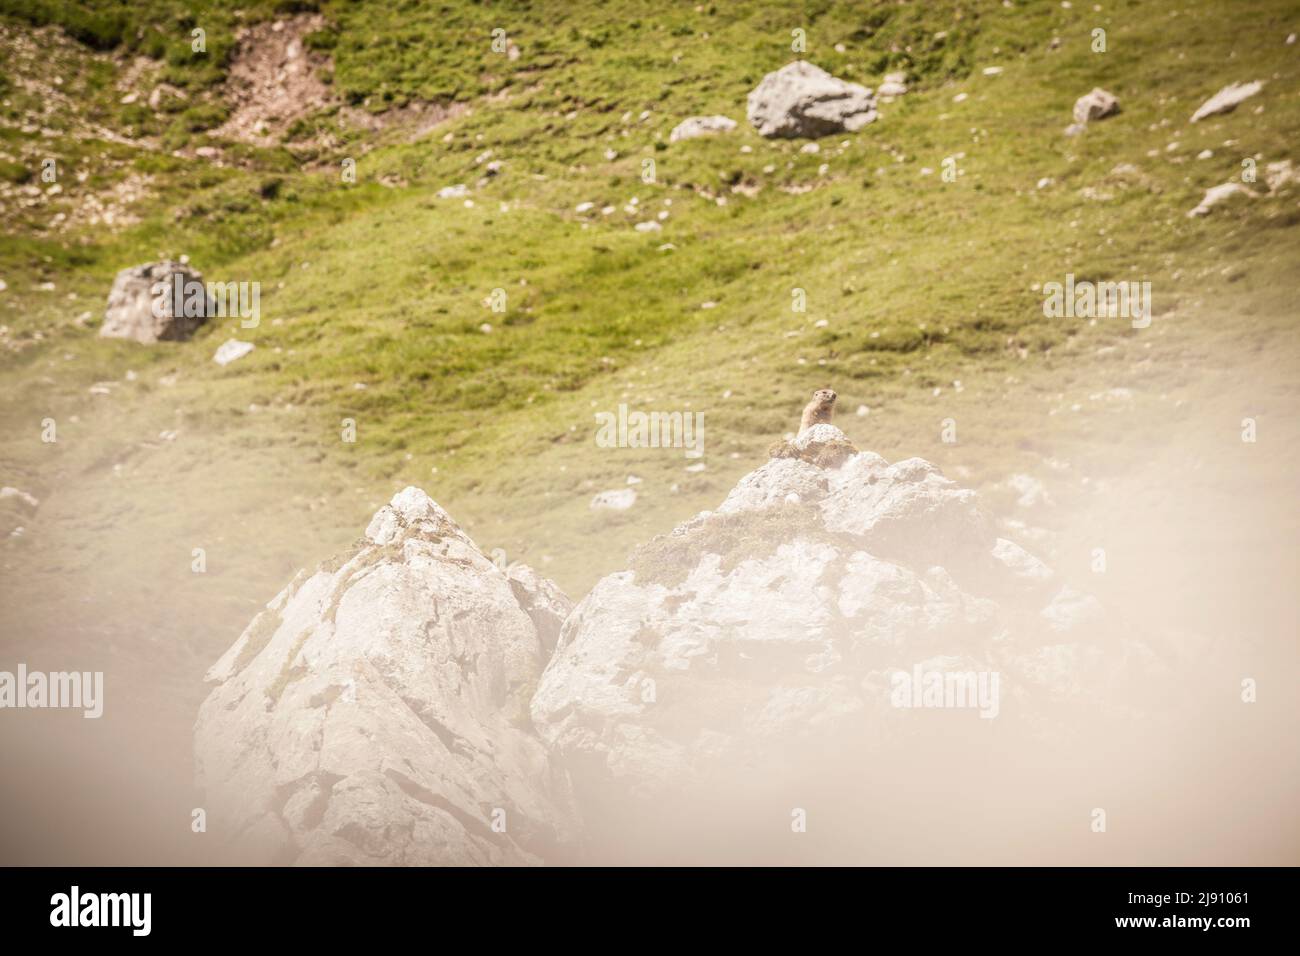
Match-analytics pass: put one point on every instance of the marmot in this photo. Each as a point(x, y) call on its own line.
point(819, 410)
point(829, 453)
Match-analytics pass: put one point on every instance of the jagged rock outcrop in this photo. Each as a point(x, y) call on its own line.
point(140, 291)
point(804, 101)
point(377, 711)
point(787, 613)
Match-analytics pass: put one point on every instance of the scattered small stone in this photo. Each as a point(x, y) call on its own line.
point(620, 499)
point(1227, 99)
point(232, 350)
point(164, 90)
point(1279, 174)
point(1094, 105)
point(1217, 194)
point(894, 84)
point(698, 126)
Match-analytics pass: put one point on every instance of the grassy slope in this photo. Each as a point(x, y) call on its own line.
point(922, 283)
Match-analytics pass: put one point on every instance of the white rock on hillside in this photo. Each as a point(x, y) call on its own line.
point(130, 313)
point(698, 126)
point(1094, 105)
point(377, 711)
point(1218, 194)
point(804, 101)
point(231, 350)
point(894, 84)
point(1279, 174)
point(1227, 99)
point(782, 615)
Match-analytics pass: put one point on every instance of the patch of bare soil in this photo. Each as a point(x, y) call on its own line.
point(275, 80)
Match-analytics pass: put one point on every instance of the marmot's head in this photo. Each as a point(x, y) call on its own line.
point(825, 397)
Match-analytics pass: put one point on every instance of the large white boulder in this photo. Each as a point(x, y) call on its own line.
point(142, 305)
point(377, 711)
point(804, 101)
